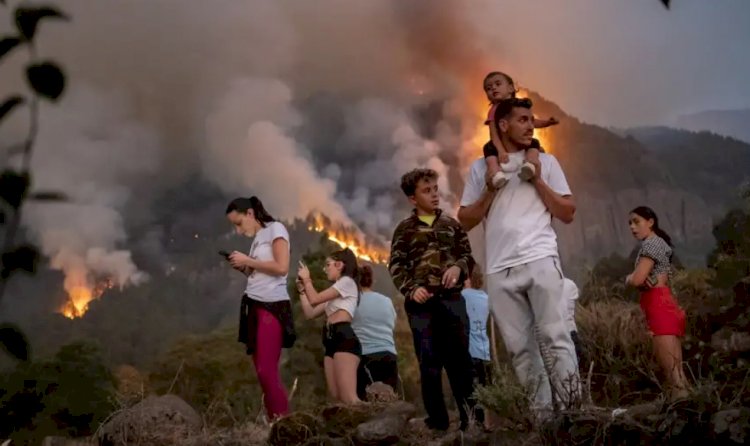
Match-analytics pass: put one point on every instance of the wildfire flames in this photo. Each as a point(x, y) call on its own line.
point(347, 237)
point(375, 252)
point(80, 294)
point(82, 289)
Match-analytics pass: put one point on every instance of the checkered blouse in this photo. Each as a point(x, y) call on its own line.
point(656, 249)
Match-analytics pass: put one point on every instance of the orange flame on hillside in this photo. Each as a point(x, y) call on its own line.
point(348, 237)
point(80, 293)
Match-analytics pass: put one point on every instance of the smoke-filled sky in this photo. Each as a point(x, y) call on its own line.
point(627, 63)
point(322, 105)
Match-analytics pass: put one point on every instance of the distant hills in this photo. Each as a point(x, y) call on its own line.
point(733, 123)
point(688, 178)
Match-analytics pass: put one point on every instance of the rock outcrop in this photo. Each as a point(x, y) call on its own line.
point(155, 420)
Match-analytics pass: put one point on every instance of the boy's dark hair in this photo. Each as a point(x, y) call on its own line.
point(477, 278)
point(506, 106)
point(410, 179)
point(507, 78)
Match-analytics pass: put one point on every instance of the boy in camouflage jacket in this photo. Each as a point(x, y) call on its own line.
point(430, 259)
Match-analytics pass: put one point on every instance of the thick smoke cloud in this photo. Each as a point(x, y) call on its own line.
point(91, 155)
point(249, 149)
point(312, 105)
point(162, 91)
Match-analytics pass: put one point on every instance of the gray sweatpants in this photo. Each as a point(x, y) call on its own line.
point(530, 296)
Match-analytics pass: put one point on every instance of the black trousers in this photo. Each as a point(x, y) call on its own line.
point(439, 327)
point(482, 372)
point(380, 366)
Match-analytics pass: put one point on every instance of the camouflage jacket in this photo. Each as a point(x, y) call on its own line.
point(420, 253)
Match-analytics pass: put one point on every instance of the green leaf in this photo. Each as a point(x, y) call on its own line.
point(9, 104)
point(47, 79)
point(13, 187)
point(14, 342)
point(7, 44)
point(27, 18)
point(21, 258)
point(47, 196)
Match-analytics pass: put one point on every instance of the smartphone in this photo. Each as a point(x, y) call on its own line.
point(225, 254)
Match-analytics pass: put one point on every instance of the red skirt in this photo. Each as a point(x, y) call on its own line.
point(663, 315)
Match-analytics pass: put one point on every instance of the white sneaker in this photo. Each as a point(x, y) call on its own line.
point(527, 172)
point(499, 180)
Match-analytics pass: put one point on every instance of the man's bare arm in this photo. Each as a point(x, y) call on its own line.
point(473, 214)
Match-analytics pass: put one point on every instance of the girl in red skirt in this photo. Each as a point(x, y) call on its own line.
point(652, 276)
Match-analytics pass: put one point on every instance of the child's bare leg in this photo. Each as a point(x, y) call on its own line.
point(532, 155)
point(493, 165)
point(495, 173)
point(528, 170)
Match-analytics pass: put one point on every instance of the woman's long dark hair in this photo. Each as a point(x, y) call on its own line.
point(242, 205)
point(351, 268)
point(647, 213)
point(347, 257)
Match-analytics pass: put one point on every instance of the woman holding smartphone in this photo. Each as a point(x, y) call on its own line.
point(266, 323)
point(338, 303)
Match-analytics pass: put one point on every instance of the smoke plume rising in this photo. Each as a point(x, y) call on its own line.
point(160, 91)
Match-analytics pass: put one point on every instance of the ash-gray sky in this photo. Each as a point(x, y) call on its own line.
point(610, 62)
point(162, 89)
point(627, 62)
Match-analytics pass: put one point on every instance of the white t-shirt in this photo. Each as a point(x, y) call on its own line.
point(261, 286)
point(348, 297)
point(518, 228)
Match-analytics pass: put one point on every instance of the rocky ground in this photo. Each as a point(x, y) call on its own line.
point(168, 420)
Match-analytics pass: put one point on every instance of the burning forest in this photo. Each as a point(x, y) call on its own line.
point(365, 247)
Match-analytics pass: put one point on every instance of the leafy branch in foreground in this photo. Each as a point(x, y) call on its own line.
point(47, 82)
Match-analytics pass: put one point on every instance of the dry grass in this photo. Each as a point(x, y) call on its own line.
point(245, 434)
point(507, 399)
point(614, 338)
point(617, 367)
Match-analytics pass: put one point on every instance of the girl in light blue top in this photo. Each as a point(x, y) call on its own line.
point(374, 322)
point(478, 309)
